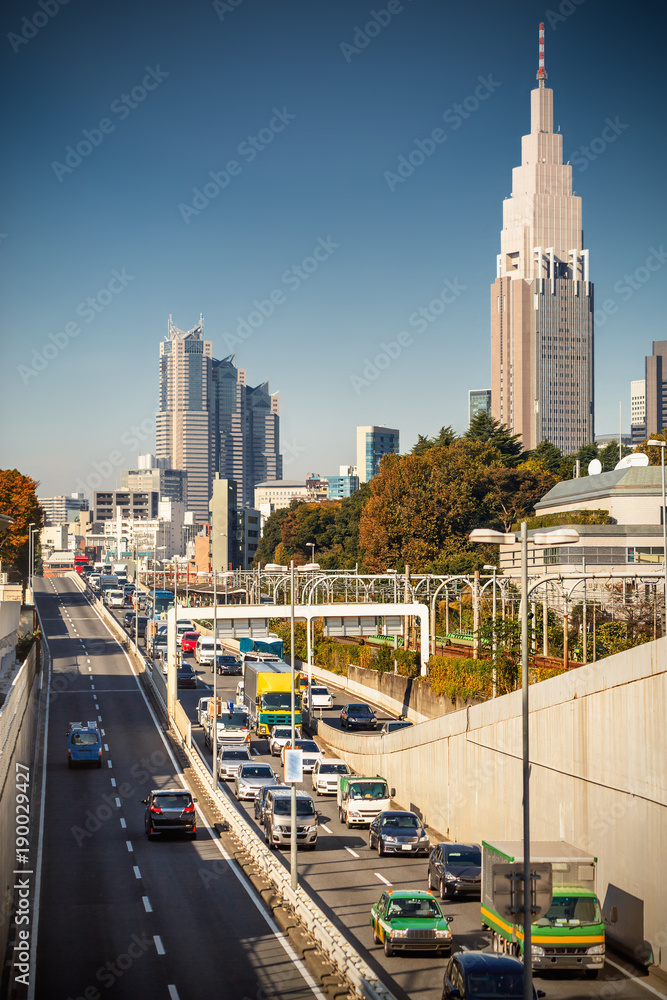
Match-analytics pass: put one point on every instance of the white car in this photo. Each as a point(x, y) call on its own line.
point(280, 735)
point(310, 753)
point(320, 697)
point(326, 773)
point(202, 706)
point(230, 760)
point(181, 628)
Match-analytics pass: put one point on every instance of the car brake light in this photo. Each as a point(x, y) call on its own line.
point(155, 809)
point(190, 808)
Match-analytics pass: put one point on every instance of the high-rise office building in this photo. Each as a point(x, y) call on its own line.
point(479, 401)
point(638, 410)
point(183, 432)
point(372, 444)
point(656, 388)
point(60, 510)
point(542, 298)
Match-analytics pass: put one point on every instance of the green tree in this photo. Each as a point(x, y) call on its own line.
point(546, 457)
point(446, 436)
point(484, 427)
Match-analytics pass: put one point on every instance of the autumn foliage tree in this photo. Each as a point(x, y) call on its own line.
point(18, 501)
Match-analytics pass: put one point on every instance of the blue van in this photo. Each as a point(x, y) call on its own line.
point(84, 744)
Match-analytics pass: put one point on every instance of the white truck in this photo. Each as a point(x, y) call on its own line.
point(361, 798)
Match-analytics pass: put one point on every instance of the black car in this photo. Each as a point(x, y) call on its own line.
point(481, 975)
point(228, 664)
point(170, 810)
point(455, 870)
point(142, 622)
point(186, 677)
point(128, 620)
point(395, 831)
point(260, 802)
point(356, 715)
point(393, 725)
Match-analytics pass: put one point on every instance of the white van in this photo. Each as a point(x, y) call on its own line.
point(115, 598)
point(204, 650)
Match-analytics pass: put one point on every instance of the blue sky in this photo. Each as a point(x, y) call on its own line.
point(302, 113)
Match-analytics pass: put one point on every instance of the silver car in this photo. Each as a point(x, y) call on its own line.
point(251, 778)
point(230, 760)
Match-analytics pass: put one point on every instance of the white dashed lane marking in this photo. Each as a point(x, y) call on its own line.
point(147, 904)
point(137, 873)
point(159, 947)
point(382, 878)
point(350, 851)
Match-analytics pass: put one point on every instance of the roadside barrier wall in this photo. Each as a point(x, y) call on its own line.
point(598, 752)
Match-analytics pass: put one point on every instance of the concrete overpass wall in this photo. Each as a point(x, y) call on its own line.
point(599, 778)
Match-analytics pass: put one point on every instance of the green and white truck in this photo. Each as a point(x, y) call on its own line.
point(360, 798)
point(571, 934)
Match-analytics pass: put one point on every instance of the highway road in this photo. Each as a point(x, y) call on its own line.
point(119, 916)
point(343, 875)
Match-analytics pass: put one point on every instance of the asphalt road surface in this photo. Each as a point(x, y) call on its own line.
point(120, 916)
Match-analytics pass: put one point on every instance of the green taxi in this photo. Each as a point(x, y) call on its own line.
point(404, 920)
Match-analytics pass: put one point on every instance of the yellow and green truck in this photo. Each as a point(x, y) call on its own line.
point(267, 693)
point(571, 934)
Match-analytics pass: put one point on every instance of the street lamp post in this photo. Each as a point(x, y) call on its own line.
point(494, 644)
point(653, 443)
point(562, 536)
point(293, 844)
point(30, 545)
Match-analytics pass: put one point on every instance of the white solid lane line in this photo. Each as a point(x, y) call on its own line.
point(382, 878)
point(656, 993)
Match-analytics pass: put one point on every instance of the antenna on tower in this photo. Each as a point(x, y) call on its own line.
point(541, 72)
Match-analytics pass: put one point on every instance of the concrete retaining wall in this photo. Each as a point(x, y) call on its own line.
point(599, 777)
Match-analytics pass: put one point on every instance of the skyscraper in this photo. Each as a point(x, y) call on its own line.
point(182, 431)
point(542, 299)
point(479, 401)
point(372, 444)
point(656, 388)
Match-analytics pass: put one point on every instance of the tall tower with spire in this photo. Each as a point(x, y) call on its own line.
point(542, 298)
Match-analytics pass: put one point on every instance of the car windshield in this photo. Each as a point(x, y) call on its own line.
point(368, 790)
point(237, 720)
point(572, 911)
point(191, 636)
point(459, 857)
point(235, 755)
point(280, 733)
point(334, 769)
point(489, 985)
point(282, 806)
point(227, 659)
point(172, 801)
point(278, 699)
point(359, 710)
point(85, 739)
point(400, 822)
point(308, 746)
point(319, 691)
point(419, 908)
point(256, 771)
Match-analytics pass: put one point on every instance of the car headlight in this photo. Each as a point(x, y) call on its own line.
point(423, 837)
point(398, 933)
point(283, 829)
point(597, 949)
point(391, 840)
point(536, 950)
point(443, 934)
point(310, 829)
point(449, 877)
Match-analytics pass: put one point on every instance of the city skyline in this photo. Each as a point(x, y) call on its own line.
point(278, 172)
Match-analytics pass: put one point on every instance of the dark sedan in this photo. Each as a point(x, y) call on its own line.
point(228, 664)
point(481, 975)
point(170, 810)
point(356, 715)
point(455, 870)
point(395, 831)
point(186, 677)
point(142, 622)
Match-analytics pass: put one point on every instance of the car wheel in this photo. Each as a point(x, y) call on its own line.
point(388, 950)
point(370, 842)
point(347, 821)
point(380, 848)
point(443, 889)
point(376, 939)
point(193, 835)
point(430, 880)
